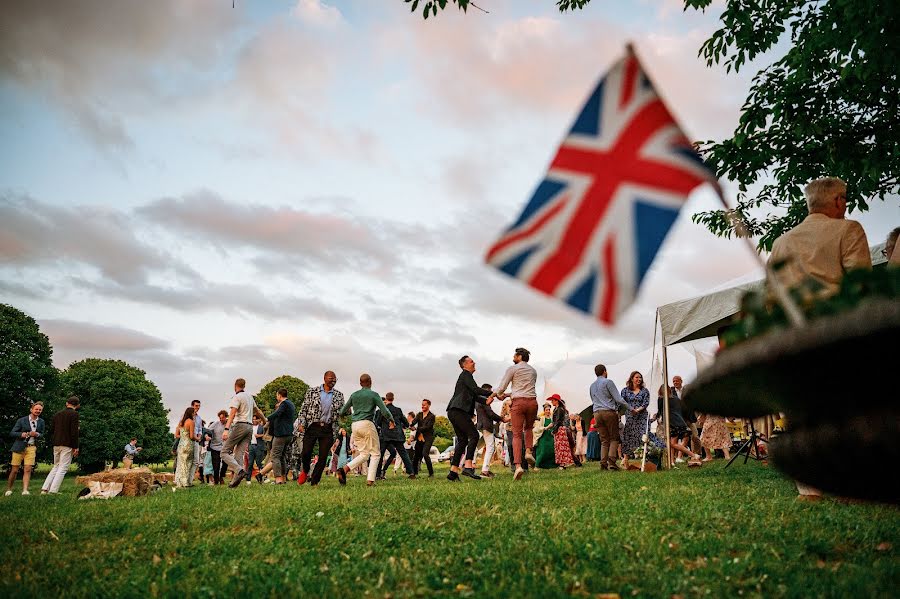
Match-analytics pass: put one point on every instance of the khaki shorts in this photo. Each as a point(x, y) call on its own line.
point(28, 456)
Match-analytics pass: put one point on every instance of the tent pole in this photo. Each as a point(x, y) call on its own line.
point(666, 403)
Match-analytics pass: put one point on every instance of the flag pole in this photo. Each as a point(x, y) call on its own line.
point(666, 403)
point(791, 310)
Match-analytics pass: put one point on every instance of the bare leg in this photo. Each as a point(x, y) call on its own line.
point(684, 450)
point(26, 477)
point(13, 472)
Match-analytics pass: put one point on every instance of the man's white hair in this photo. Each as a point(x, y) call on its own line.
point(821, 191)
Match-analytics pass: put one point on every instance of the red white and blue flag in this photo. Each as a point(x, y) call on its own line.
point(612, 192)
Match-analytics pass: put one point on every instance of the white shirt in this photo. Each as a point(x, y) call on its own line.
point(33, 422)
point(523, 378)
point(243, 402)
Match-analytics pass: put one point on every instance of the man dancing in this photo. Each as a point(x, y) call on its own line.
point(523, 409)
point(319, 422)
point(484, 422)
point(393, 439)
point(281, 427)
point(364, 402)
point(460, 411)
point(237, 432)
point(424, 424)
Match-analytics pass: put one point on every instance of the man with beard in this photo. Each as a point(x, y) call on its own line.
point(523, 409)
point(319, 423)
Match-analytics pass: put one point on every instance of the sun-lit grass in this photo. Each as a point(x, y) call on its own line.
point(580, 532)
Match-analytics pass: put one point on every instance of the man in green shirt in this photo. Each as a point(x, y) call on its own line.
point(364, 403)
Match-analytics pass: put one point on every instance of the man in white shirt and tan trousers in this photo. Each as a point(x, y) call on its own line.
point(823, 247)
point(523, 410)
point(238, 430)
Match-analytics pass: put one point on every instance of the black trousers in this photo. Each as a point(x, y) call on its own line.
point(322, 434)
point(466, 435)
point(219, 467)
point(394, 448)
point(423, 451)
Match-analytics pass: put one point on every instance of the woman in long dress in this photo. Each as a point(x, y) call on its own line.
point(715, 436)
point(580, 437)
point(637, 397)
point(184, 470)
point(545, 456)
point(593, 442)
point(560, 427)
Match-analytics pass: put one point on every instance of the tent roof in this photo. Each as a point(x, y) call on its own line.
point(699, 317)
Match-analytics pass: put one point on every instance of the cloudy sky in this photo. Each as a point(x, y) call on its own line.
point(210, 192)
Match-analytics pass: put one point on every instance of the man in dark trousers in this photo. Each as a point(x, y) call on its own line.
point(485, 421)
point(460, 411)
point(319, 423)
point(281, 427)
point(392, 439)
point(424, 425)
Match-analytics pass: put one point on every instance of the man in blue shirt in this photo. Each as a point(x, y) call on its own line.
point(606, 402)
point(131, 451)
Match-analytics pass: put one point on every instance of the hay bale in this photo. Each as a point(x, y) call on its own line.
point(135, 481)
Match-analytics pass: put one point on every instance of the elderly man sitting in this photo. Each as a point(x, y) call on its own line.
point(825, 245)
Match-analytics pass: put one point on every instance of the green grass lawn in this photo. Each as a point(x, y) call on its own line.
point(580, 532)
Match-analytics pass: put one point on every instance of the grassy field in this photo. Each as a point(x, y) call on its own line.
point(574, 533)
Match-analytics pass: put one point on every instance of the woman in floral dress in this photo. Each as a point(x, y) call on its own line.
point(562, 449)
point(715, 436)
point(593, 442)
point(184, 470)
point(637, 397)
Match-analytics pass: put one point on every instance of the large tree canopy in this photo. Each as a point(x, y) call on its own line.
point(27, 374)
point(118, 402)
point(829, 106)
point(296, 389)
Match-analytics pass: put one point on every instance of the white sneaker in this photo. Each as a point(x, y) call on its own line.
point(25, 492)
point(679, 460)
point(518, 474)
point(7, 494)
point(249, 483)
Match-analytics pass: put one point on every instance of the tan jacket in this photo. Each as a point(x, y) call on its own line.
point(823, 248)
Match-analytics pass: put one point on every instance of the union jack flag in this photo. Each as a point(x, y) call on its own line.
point(612, 192)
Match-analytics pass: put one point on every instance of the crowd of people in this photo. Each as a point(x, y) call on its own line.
point(302, 443)
point(243, 439)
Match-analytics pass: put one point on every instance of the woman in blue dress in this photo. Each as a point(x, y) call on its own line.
point(637, 397)
point(593, 442)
